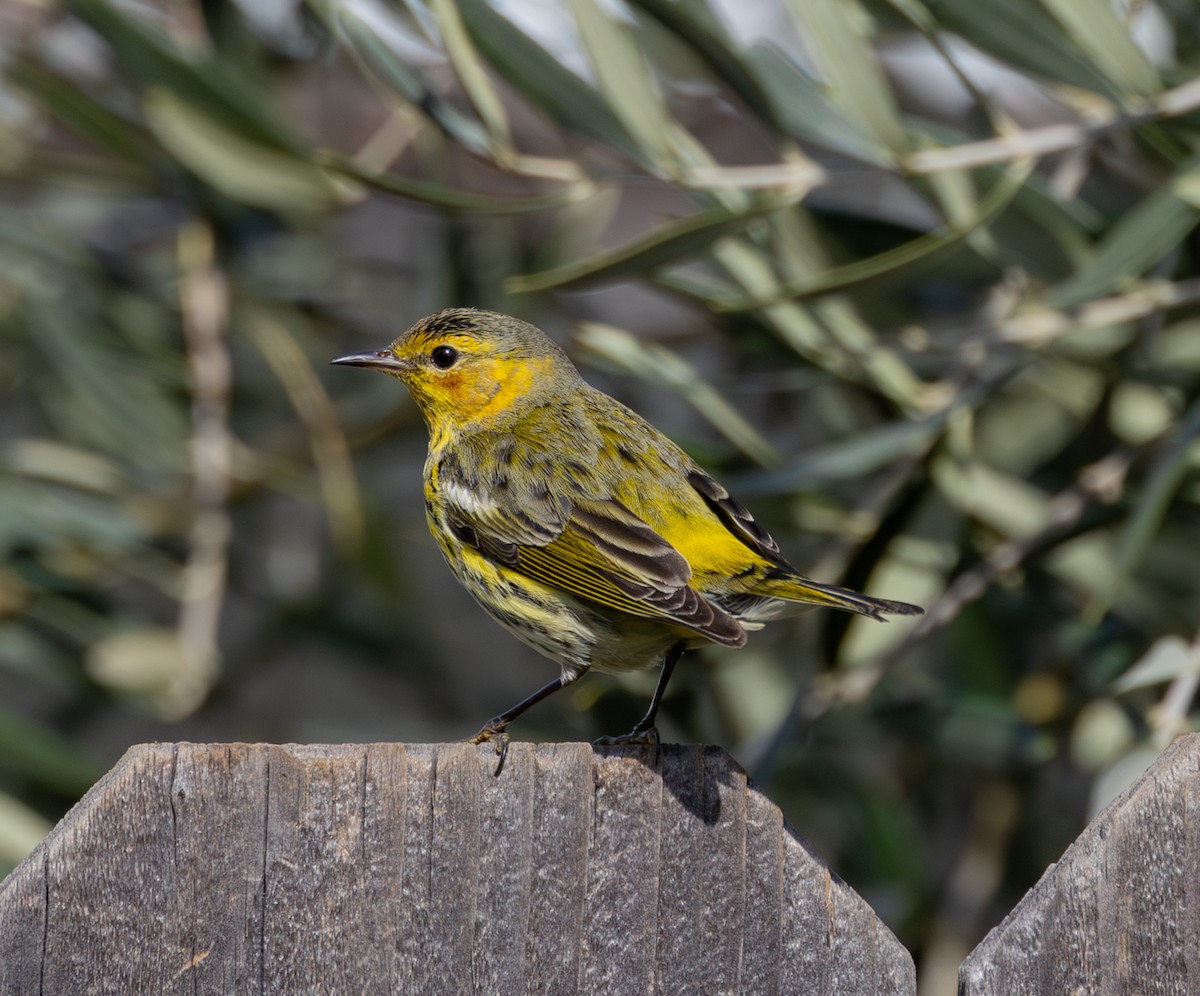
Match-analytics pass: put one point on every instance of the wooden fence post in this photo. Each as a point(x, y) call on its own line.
point(390, 868)
point(1120, 911)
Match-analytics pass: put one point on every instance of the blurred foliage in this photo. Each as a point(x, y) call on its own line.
point(925, 272)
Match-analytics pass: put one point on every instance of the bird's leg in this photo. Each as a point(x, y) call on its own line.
point(494, 728)
point(645, 731)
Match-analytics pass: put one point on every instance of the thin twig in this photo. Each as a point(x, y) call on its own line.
point(204, 303)
point(1099, 481)
point(1038, 327)
point(1047, 140)
point(330, 451)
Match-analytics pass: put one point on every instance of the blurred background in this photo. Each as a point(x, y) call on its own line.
point(915, 279)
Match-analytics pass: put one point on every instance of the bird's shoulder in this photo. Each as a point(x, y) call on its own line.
point(584, 445)
point(529, 479)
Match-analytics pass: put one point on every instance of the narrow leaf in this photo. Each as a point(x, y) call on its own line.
point(917, 250)
point(696, 25)
point(625, 80)
point(1140, 238)
point(87, 117)
point(855, 81)
point(1020, 32)
point(148, 54)
point(1096, 29)
point(378, 56)
point(471, 72)
point(544, 80)
point(848, 459)
point(438, 195)
point(664, 244)
point(240, 168)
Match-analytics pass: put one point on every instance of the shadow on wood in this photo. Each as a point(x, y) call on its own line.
point(249, 868)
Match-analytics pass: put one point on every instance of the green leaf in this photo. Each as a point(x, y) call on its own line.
point(53, 518)
point(754, 270)
point(441, 196)
point(86, 116)
point(626, 82)
point(1141, 237)
point(806, 110)
point(836, 30)
point(472, 73)
point(917, 250)
point(376, 55)
point(1020, 32)
point(696, 25)
point(544, 80)
point(102, 393)
point(1095, 28)
point(848, 459)
point(207, 84)
point(361, 35)
point(664, 244)
point(243, 170)
point(1014, 508)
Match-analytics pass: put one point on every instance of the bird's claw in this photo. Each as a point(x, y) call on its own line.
point(639, 736)
point(499, 739)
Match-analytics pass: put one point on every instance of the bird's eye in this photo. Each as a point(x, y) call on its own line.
point(444, 357)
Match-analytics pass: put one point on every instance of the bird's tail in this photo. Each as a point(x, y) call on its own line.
point(804, 591)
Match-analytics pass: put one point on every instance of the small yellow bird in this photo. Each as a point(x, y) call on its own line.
point(578, 526)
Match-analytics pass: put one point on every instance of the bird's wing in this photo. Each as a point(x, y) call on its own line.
point(735, 516)
point(595, 549)
point(781, 580)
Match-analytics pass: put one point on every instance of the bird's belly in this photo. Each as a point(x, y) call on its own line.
point(569, 630)
point(535, 614)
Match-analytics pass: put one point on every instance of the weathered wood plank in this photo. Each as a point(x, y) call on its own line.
point(562, 815)
point(702, 905)
point(410, 868)
point(385, 823)
point(23, 928)
point(499, 943)
point(120, 901)
point(1119, 913)
point(218, 917)
point(763, 922)
point(314, 886)
point(807, 949)
point(620, 928)
point(454, 869)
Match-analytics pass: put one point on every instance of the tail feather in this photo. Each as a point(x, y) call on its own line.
point(805, 591)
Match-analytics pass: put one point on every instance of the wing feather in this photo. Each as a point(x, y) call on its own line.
point(596, 549)
point(735, 516)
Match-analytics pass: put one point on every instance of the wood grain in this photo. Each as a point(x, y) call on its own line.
point(257, 869)
point(1118, 913)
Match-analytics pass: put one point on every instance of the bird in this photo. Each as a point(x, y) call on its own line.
point(577, 525)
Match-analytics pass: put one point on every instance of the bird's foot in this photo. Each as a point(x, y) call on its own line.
point(641, 736)
point(494, 731)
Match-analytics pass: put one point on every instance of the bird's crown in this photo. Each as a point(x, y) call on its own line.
point(481, 332)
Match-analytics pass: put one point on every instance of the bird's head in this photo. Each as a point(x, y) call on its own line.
point(467, 367)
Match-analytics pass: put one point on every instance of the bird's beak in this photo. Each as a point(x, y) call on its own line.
point(383, 359)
